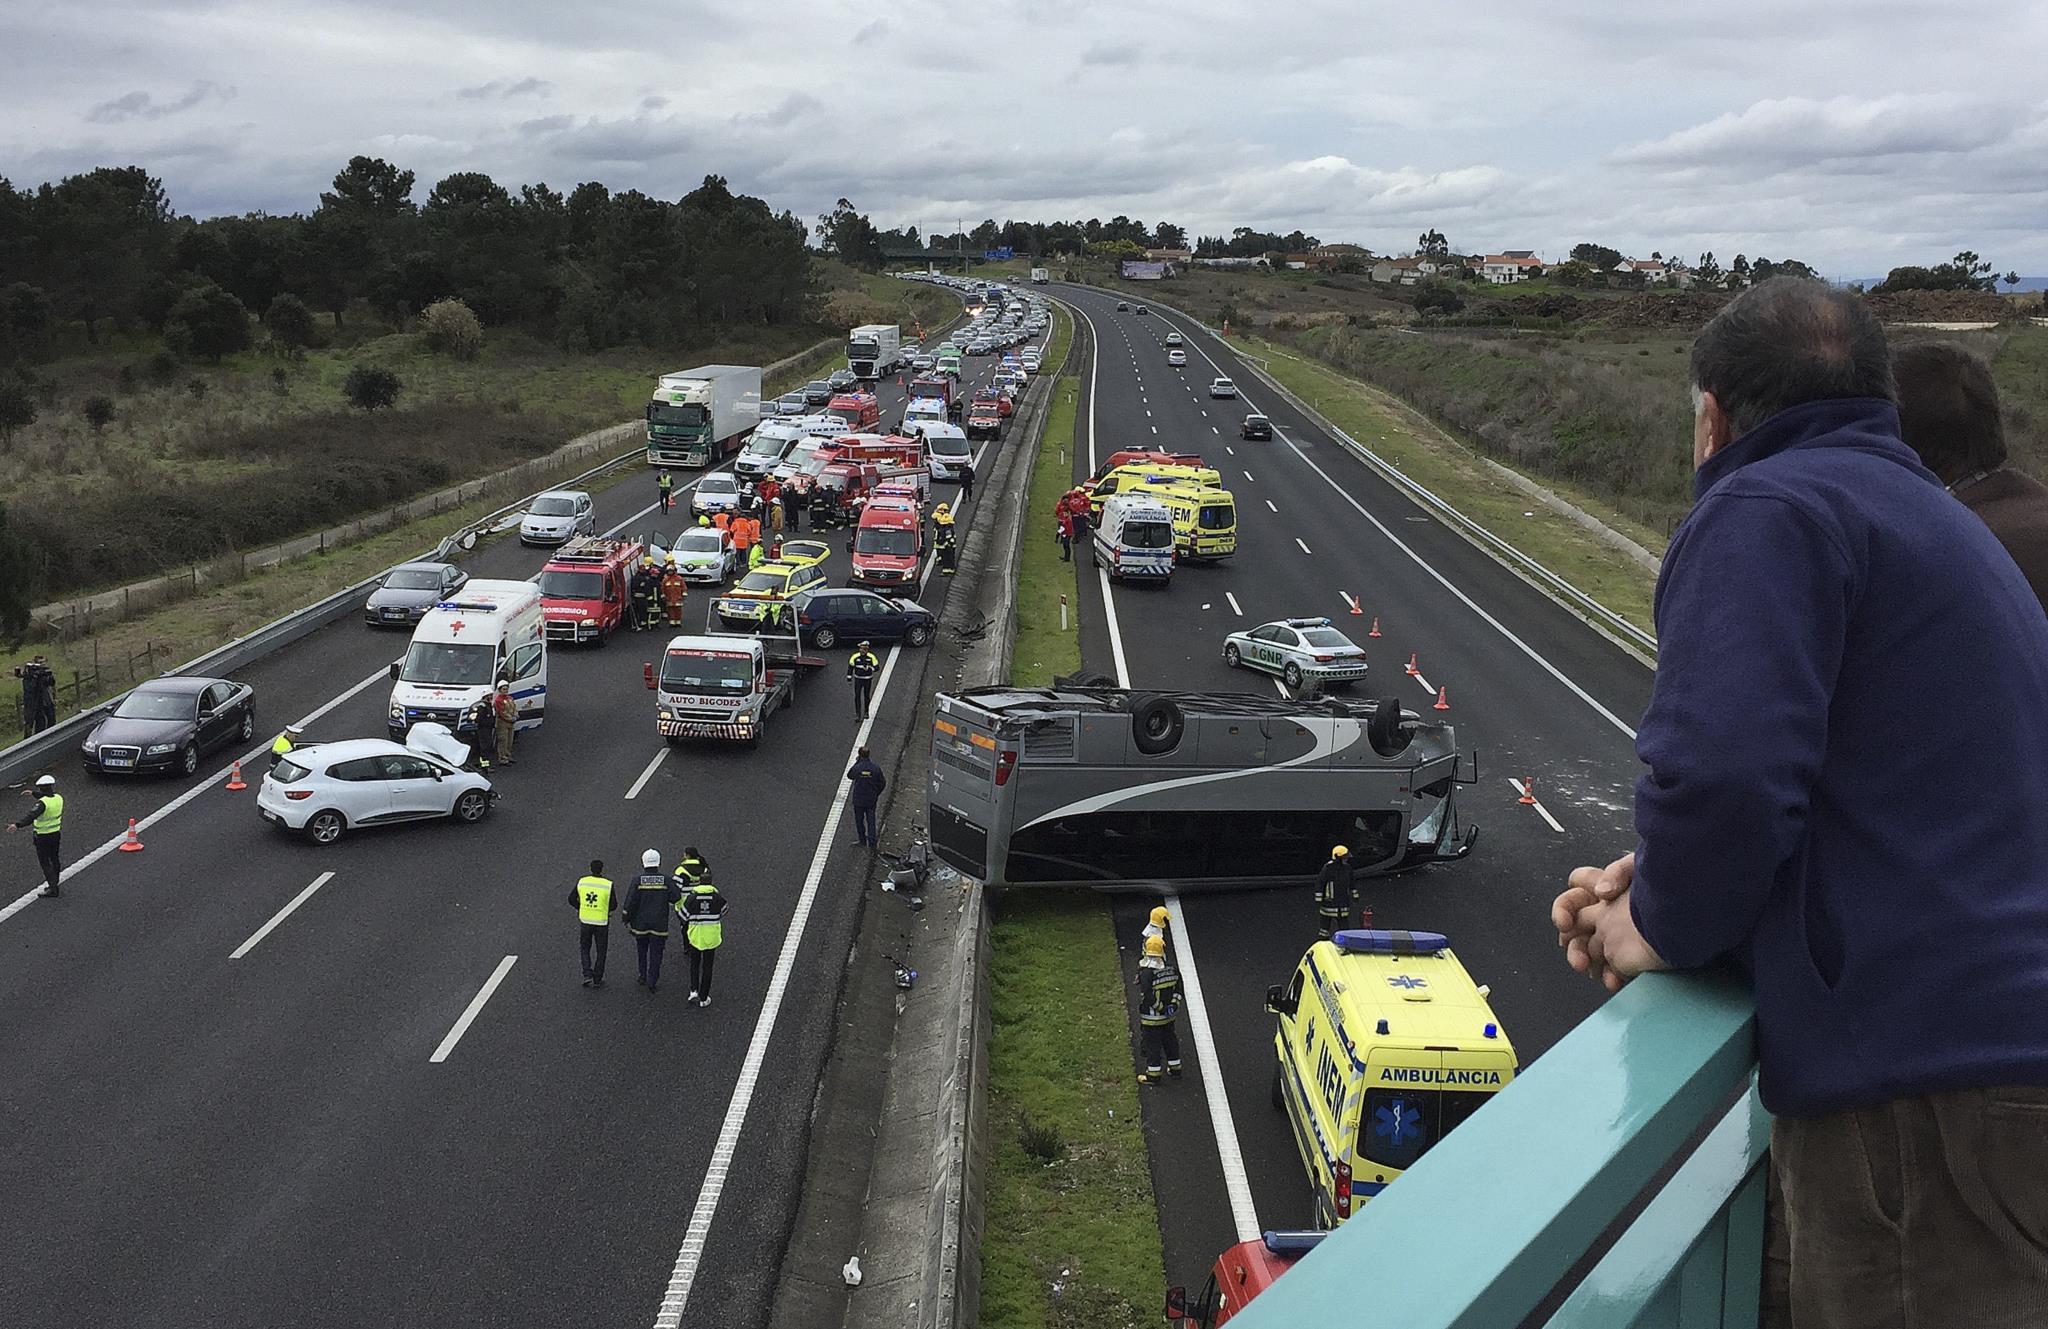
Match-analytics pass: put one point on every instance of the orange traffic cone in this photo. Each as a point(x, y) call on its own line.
point(1354, 604)
point(1375, 627)
point(133, 844)
point(1443, 699)
point(235, 780)
point(1414, 666)
point(1528, 798)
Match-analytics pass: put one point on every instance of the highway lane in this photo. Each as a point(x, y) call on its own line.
point(1304, 548)
point(264, 1139)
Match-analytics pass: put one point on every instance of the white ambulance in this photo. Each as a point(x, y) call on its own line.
point(462, 647)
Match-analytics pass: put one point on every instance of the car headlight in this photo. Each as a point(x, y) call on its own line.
point(589, 622)
point(667, 714)
point(91, 744)
point(397, 711)
point(159, 749)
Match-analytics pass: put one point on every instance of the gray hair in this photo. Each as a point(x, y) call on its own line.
point(1786, 342)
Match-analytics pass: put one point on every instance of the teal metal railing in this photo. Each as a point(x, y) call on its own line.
point(1491, 1227)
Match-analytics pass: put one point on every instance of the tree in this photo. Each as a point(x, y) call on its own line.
point(24, 323)
point(1431, 296)
point(848, 234)
point(1738, 273)
point(1431, 244)
point(2012, 279)
point(1707, 272)
point(290, 324)
point(103, 234)
point(1574, 272)
point(208, 322)
point(1598, 257)
point(451, 328)
point(1965, 272)
point(17, 409)
point(368, 387)
point(1166, 235)
point(17, 582)
point(98, 412)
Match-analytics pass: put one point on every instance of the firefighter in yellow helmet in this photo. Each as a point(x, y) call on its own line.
point(944, 541)
point(1158, 1011)
point(1335, 894)
point(1156, 926)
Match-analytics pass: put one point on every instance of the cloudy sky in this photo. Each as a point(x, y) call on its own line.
point(1854, 135)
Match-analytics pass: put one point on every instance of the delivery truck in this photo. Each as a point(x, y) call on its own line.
point(1039, 276)
point(698, 417)
point(874, 350)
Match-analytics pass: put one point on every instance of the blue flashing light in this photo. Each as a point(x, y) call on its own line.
point(1291, 1243)
point(1492, 1030)
point(1380, 941)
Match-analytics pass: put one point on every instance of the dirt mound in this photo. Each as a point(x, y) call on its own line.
point(1939, 307)
point(1679, 310)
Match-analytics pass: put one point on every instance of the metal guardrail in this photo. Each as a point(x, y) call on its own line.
point(1523, 563)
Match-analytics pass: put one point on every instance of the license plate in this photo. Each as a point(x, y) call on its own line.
point(394, 613)
point(117, 761)
point(268, 815)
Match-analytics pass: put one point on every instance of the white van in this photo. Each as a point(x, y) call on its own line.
point(946, 449)
point(1135, 538)
point(768, 444)
point(462, 647)
point(923, 410)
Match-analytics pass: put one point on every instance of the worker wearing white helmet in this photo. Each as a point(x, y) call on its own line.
point(650, 897)
point(1336, 892)
point(45, 817)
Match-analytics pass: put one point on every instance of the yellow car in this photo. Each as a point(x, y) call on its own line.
point(804, 553)
point(771, 584)
point(1384, 1044)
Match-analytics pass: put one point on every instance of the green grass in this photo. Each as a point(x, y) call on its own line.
point(1072, 1243)
point(1440, 464)
point(1043, 651)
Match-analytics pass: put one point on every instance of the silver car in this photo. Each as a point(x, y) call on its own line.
point(1296, 649)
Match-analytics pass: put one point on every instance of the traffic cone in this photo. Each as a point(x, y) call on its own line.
point(133, 844)
point(1443, 699)
point(1414, 666)
point(1528, 798)
point(1375, 627)
point(235, 781)
point(1354, 604)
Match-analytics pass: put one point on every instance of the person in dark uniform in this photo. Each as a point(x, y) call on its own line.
point(966, 474)
point(484, 732)
point(1158, 1010)
point(1335, 894)
point(592, 897)
point(646, 908)
point(38, 695)
point(703, 911)
point(861, 671)
point(868, 783)
point(643, 595)
point(45, 819)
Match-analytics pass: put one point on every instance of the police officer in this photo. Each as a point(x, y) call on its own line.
point(861, 671)
point(1335, 894)
point(1158, 1008)
point(867, 783)
point(645, 909)
point(284, 743)
point(45, 818)
point(592, 897)
point(966, 473)
point(666, 486)
point(703, 911)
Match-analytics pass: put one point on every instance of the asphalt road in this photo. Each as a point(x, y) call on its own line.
point(206, 1140)
point(1532, 689)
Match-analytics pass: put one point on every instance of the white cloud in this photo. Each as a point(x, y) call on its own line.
point(1796, 131)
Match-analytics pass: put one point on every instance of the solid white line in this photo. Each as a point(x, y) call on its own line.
point(476, 1004)
point(1270, 507)
point(1423, 681)
point(1233, 604)
point(1541, 811)
point(1297, 539)
point(660, 755)
point(1116, 640)
point(1235, 1183)
point(281, 915)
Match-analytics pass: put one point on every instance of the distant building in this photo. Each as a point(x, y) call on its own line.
point(1169, 255)
point(1510, 265)
point(1334, 252)
point(1403, 271)
point(1133, 270)
point(1257, 261)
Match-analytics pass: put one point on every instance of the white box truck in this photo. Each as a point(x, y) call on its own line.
point(874, 350)
point(698, 416)
point(1039, 276)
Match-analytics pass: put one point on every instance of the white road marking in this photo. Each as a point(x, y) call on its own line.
point(1227, 448)
point(1155, 429)
point(1270, 507)
point(1249, 476)
point(1235, 1183)
point(1541, 811)
point(1423, 681)
point(280, 916)
point(1233, 604)
point(1297, 539)
point(660, 755)
point(476, 1005)
point(1219, 433)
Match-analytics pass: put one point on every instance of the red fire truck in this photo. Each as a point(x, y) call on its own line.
point(583, 588)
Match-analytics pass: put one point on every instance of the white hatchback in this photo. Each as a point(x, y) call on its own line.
point(327, 789)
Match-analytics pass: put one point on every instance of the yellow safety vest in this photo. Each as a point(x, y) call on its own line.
point(703, 936)
point(51, 819)
point(280, 745)
point(594, 900)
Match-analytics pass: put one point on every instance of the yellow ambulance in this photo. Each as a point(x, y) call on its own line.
point(1384, 1045)
point(1204, 516)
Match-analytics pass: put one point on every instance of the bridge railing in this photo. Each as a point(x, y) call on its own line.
point(1618, 1182)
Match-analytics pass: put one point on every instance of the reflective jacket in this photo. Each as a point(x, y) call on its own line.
point(703, 911)
point(1335, 889)
point(1158, 995)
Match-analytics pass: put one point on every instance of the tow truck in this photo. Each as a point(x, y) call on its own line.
point(725, 684)
point(1240, 1273)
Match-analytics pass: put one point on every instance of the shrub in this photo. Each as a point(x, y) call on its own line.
point(124, 380)
point(208, 322)
point(368, 387)
point(290, 324)
point(17, 410)
point(1040, 1141)
point(99, 412)
point(280, 380)
point(196, 389)
point(452, 328)
point(163, 366)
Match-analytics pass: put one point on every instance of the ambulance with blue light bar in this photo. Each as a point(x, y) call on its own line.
point(462, 647)
point(1384, 1045)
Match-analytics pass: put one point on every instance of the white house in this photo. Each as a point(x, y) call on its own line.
point(1510, 265)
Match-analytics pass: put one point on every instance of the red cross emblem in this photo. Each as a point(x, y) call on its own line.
point(456, 626)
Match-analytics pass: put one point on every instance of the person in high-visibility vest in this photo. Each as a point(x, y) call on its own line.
point(283, 744)
point(592, 897)
point(860, 671)
point(45, 818)
point(693, 869)
point(703, 911)
point(756, 556)
point(645, 909)
point(1158, 1009)
point(667, 487)
point(1336, 892)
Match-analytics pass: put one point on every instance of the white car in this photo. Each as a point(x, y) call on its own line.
point(705, 554)
point(324, 790)
point(718, 491)
point(1173, 339)
point(1176, 358)
point(1296, 649)
point(1222, 387)
point(558, 516)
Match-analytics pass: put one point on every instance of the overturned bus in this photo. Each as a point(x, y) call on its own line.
point(1125, 790)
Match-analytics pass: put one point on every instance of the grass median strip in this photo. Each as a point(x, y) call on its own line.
point(1043, 649)
point(1444, 467)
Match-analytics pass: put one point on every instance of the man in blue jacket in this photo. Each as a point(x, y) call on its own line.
point(1881, 874)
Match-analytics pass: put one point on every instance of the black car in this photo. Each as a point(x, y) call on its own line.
point(831, 616)
point(1142, 310)
point(1256, 426)
point(844, 380)
point(817, 392)
point(167, 724)
point(409, 591)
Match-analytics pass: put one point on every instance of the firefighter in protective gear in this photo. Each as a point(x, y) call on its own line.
point(483, 733)
point(646, 594)
point(1156, 926)
point(943, 539)
point(592, 897)
point(703, 911)
point(284, 743)
point(646, 909)
point(861, 671)
point(673, 589)
point(45, 820)
point(504, 720)
point(1335, 894)
point(1158, 1009)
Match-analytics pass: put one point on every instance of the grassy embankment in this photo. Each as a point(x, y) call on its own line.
point(1072, 1237)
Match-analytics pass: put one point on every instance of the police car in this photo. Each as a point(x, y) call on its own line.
point(1296, 649)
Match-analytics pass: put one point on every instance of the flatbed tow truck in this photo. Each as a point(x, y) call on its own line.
point(725, 683)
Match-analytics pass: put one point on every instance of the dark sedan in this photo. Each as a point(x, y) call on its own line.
point(1256, 426)
point(168, 724)
point(817, 392)
point(831, 617)
point(410, 591)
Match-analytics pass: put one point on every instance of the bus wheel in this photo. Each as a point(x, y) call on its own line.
point(1156, 724)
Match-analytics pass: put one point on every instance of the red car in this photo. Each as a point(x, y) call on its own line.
point(1240, 1273)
